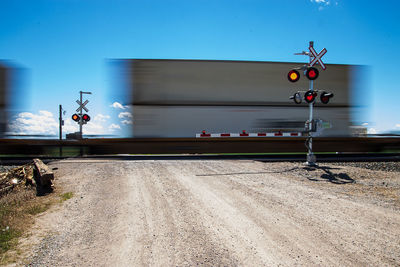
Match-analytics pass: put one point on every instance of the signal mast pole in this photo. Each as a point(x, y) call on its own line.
point(80, 117)
point(61, 122)
point(311, 159)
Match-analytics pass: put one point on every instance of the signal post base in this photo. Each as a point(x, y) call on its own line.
point(311, 160)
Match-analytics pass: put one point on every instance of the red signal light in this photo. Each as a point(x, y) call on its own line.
point(293, 76)
point(310, 96)
point(312, 73)
point(325, 97)
point(86, 117)
point(75, 117)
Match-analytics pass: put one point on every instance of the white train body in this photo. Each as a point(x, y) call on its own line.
point(181, 98)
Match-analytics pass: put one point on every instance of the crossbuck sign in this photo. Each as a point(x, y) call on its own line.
point(317, 57)
point(82, 106)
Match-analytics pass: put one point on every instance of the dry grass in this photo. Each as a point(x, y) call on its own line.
point(13, 218)
point(17, 211)
point(66, 196)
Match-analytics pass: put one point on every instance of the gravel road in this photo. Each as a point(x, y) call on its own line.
point(219, 213)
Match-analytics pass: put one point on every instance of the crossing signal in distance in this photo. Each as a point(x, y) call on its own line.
point(85, 118)
point(293, 76)
point(76, 117)
point(296, 98)
point(312, 73)
point(325, 97)
point(310, 96)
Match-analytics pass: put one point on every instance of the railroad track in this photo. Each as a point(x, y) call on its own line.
point(197, 145)
point(347, 157)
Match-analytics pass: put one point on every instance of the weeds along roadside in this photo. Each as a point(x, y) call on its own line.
point(18, 209)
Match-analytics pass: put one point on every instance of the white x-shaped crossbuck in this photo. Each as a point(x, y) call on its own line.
point(82, 106)
point(317, 57)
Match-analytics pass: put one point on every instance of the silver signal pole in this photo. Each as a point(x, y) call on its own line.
point(311, 159)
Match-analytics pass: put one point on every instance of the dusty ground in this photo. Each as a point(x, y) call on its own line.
point(220, 213)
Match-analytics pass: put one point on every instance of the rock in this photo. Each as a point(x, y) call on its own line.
point(43, 177)
point(29, 180)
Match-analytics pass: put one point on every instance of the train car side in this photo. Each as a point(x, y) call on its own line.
point(179, 98)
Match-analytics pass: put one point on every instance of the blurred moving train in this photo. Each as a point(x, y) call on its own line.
point(4, 86)
point(181, 98)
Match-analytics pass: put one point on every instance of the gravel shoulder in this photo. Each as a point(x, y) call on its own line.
point(219, 213)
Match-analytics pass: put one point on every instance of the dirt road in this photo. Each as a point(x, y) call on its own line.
point(220, 213)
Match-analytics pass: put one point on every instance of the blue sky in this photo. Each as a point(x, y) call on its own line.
point(64, 46)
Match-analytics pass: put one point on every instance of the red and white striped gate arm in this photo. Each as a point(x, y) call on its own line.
point(244, 134)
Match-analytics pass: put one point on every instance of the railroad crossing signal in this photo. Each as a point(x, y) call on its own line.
point(312, 74)
point(296, 98)
point(81, 118)
point(85, 118)
point(310, 96)
point(76, 117)
point(325, 97)
point(316, 58)
point(82, 106)
point(293, 76)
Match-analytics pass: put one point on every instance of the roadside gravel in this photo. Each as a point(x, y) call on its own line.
point(376, 166)
point(220, 213)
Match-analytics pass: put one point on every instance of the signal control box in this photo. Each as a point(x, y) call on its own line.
point(316, 127)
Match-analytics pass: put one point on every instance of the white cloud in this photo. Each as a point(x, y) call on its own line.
point(101, 118)
point(323, 3)
point(29, 123)
point(371, 131)
point(124, 115)
point(70, 126)
point(113, 127)
point(45, 123)
point(365, 124)
point(117, 105)
point(45, 113)
point(93, 128)
point(127, 122)
point(397, 125)
point(96, 126)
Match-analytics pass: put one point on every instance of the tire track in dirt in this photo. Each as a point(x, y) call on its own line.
point(209, 213)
